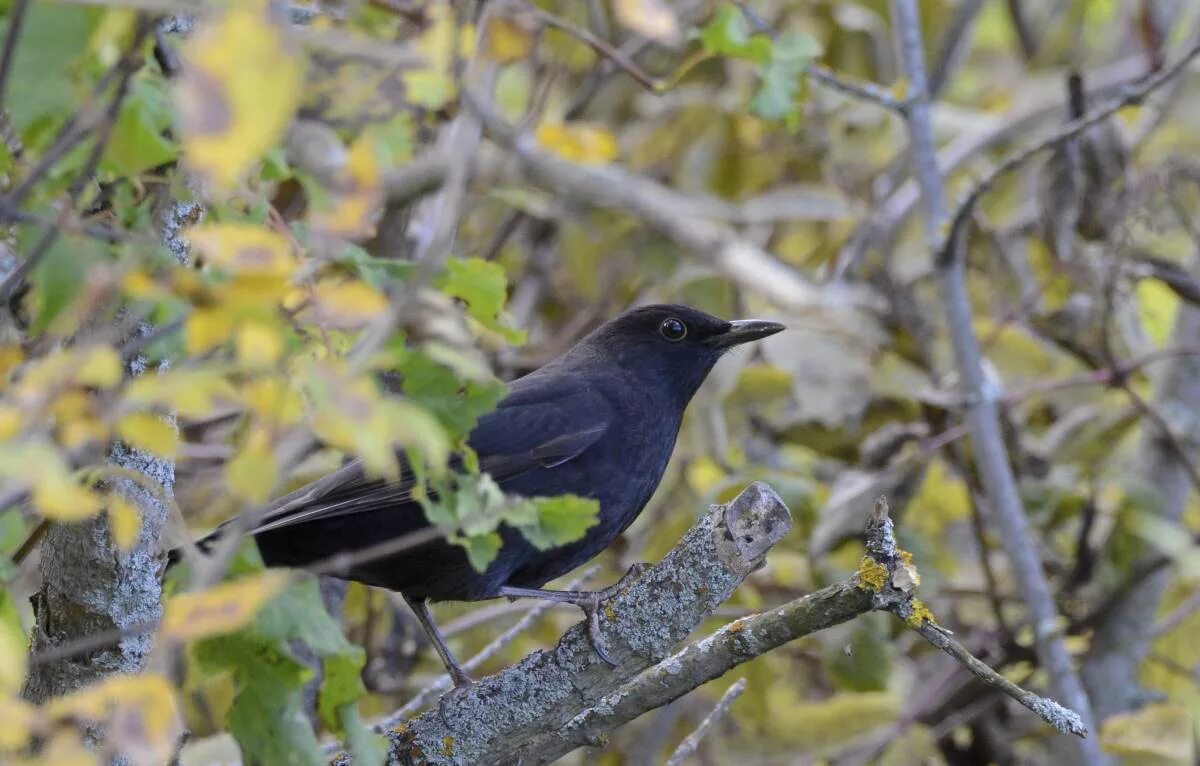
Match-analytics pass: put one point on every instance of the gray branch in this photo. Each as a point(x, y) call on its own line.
point(555, 701)
point(692, 741)
point(982, 416)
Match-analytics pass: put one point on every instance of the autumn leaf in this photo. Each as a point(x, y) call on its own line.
point(252, 473)
point(509, 39)
point(19, 719)
point(238, 92)
point(577, 142)
point(124, 520)
point(243, 249)
point(221, 609)
point(149, 432)
point(649, 18)
point(345, 304)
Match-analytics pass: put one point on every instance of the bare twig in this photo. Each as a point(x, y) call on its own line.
point(864, 91)
point(16, 22)
point(982, 413)
point(692, 741)
point(1132, 96)
point(602, 48)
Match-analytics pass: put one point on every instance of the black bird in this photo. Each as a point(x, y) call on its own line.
point(600, 421)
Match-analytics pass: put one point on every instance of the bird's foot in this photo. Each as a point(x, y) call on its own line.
point(462, 682)
point(591, 607)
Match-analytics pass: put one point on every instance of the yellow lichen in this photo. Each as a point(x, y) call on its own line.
point(872, 575)
point(609, 611)
point(905, 556)
point(448, 746)
point(920, 614)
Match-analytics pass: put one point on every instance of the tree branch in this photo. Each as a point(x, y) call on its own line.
point(555, 701)
point(981, 411)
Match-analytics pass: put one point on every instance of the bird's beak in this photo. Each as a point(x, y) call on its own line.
point(743, 331)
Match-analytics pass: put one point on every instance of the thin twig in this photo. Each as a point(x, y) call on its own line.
point(443, 682)
point(602, 48)
point(865, 91)
point(16, 22)
point(1132, 96)
point(982, 414)
point(1062, 719)
point(692, 741)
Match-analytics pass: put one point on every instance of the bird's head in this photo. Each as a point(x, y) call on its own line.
point(671, 345)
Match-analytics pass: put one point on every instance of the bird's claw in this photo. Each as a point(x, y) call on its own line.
point(462, 682)
point(592, 607)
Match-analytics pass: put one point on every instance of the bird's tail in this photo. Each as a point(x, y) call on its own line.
point(204, 545)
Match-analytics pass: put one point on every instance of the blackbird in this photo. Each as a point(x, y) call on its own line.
point(600, 422)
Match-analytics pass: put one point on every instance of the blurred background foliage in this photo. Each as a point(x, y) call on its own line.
point(231, 199)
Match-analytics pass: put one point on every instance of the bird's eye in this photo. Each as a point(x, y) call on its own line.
point(672, 329)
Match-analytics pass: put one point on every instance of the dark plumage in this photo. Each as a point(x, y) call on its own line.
point(600, 421)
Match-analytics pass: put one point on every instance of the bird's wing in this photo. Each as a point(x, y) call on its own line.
point(536, 427)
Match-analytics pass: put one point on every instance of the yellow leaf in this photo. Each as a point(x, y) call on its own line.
point(252, 472)
point(354, 206)
point(206, 329)
point(345, 305)
point(61, 499)
point(220, 609)
point(11, 422)
point(19, 719)
point(273, 400)
point(241, 248)
point(148, 432)
point(81, 430)
point(585, 144)
point(124, 521)
point(1162, 731)
point(12, 660)
point(258, 345)
point(100, 367)
point(649, 18)
point(192, 393)
point(140, 712)
point(1157, 306)
point(10, 357)
point(239, 89)
point(509, 39)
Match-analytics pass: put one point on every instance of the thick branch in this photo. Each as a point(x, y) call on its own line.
point(502, 716)
point(982, 416)
point(553, 702)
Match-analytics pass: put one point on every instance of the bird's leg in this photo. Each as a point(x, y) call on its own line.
point(587, 600)
point(420, 608)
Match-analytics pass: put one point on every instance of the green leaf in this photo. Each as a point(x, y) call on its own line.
point(267, 716)
point(481, 549)
point(729, 35)
point(483, 286)
point(558, 520)
point(138, 142)
point(42, 83)
point(435, 386)
point(789, 58)
point(59, 276)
